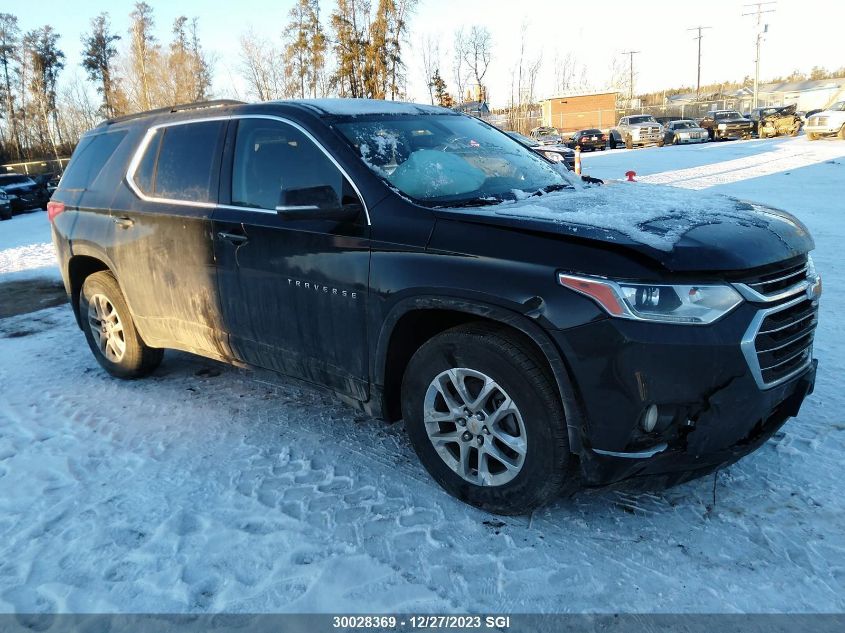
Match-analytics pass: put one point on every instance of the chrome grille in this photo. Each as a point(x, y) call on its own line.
point(779, 343)
point(776, 282)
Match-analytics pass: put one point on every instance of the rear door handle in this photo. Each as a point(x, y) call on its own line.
point(123, 222)
point(234, 238)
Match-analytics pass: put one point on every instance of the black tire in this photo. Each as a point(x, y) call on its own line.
point(661, 143)
point(6, 216)
point(137, 359)
point(512, 364)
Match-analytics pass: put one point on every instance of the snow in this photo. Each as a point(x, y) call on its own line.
point(360, 107)
point(209, 488)
point(653, 215)
point(26, 248)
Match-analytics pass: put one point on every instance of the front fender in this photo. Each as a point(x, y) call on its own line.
point(519, 321)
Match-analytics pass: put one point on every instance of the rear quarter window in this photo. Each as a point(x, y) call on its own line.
point(89, 158)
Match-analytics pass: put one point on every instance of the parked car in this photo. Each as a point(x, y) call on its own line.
point(545, 135)
point(428, 267)
point(726, 124)
point(48, 181)
point(684, 131)
point(776, 120)
point(5, 206)
point(591, 139)
point(23, 192)
point(828, 122)
point(639, 130)
point(555, 153)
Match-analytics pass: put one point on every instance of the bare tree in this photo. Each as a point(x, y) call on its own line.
point(430, 51)
point(523, 84)
point(261, 63)
point(459, 69)
point(476, 50)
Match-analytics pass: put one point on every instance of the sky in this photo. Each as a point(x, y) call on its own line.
point(555, 28)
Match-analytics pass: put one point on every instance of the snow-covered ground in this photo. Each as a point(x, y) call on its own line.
point(207, 488)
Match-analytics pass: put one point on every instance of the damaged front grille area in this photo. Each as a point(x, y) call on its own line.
point(779, 343)
point(777, 284)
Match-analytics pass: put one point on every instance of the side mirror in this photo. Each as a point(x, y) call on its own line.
point(315, 203)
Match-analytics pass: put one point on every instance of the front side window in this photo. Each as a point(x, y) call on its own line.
point(271, 156)
point(442, 160)
point(839, 106)
point(179, 162)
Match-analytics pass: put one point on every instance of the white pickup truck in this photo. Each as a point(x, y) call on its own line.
point(638, 130)
point(827, 122)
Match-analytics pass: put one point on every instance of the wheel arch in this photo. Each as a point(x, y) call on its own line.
point(414, 321)
point(79, 268)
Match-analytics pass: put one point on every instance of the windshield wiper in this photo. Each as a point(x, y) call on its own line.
point(474, 202)
point(550, 189)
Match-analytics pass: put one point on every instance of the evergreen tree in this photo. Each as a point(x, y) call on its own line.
point(97, 56)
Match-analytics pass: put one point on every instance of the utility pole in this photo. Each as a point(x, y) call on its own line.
point(758, 9)
point(630, 55)
point(698, 81)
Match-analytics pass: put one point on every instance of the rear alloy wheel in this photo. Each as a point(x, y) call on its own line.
point(812, 137)
point(110, 330)
point(484, 416)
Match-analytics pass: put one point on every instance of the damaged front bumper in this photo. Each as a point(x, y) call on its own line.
point(711, 411)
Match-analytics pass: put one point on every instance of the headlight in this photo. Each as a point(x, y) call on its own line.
point(3, 195)
point(723, 126)
point(667, 303)
point(553, 156)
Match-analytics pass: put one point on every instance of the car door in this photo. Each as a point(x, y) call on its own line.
point(293, 291)
point(161, 242)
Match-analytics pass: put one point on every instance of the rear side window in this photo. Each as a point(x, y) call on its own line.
point(180, 161)
point(89, 158)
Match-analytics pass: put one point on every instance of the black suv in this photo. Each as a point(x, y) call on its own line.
point(530, 331)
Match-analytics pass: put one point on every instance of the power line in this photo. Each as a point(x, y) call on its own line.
point(759, 8)
point(698, 81)
point(631, 81)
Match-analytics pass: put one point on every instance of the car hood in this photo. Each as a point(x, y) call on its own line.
point(563, 149)
point(682, 230)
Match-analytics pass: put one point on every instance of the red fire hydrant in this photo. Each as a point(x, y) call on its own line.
point(630, 175)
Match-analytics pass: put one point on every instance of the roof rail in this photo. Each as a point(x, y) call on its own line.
point(200, 105)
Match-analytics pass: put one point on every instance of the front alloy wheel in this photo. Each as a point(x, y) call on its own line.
point(475, 427)
point(484, 415)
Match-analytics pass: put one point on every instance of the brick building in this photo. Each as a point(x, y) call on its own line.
point(579, 110)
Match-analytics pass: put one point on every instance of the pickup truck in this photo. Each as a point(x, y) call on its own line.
point(827, 122)
point(727, 124)
point(638, 130)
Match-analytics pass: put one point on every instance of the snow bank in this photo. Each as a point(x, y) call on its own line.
point(26, 249)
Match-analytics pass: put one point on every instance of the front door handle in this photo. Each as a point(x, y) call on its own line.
point(234, 238)
point(123, 222)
